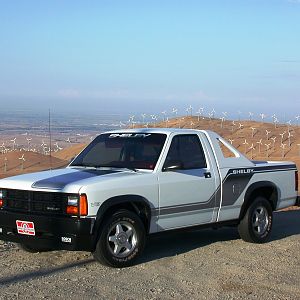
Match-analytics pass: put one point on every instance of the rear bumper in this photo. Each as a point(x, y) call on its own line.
point(57, 233)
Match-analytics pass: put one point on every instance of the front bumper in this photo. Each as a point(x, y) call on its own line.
point(57, 233)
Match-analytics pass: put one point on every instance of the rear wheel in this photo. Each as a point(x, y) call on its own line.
point(256, 225)
point(121, 241)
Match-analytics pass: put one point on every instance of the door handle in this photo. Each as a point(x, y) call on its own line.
point(207, 175)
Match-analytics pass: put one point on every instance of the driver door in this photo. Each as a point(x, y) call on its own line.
point(187, 187)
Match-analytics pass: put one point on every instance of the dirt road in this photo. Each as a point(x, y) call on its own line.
point(203, 264)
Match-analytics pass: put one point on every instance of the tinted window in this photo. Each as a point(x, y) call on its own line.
point(125, 150)
point(187, 150)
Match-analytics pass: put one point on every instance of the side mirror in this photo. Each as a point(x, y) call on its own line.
point(172, 165)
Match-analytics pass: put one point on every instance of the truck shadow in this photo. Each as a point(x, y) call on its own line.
point(43, 272)
point(168, 244)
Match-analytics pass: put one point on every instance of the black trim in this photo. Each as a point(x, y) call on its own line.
point(216, 225)
point(297, 201)
point(49, 231)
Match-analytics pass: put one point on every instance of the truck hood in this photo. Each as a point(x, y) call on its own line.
point(68, 180)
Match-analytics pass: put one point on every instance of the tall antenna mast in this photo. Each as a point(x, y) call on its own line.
point(50, 142)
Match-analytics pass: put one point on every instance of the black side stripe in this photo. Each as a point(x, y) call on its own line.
point(234, 184)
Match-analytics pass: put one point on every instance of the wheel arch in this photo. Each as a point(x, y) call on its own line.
point(267, 189)
point(135, 203)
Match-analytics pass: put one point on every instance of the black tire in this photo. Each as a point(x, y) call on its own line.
point(256, 225)
point(121, 240)
point(32, 249)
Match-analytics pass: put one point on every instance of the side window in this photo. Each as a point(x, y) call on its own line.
point(187, 150)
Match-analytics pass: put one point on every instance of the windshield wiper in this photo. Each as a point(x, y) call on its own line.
point(120, 167)
point(104, 166)
point(85, 165)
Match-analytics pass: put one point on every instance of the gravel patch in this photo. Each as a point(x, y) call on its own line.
point(198, 264)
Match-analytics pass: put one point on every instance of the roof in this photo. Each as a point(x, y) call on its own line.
point(156, 130)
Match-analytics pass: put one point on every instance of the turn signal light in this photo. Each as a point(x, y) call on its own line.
point(83, 205)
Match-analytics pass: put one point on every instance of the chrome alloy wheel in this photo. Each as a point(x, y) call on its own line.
point(122, 239)
point(260, 220)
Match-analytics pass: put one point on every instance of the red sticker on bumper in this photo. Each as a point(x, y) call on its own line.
point(25, 227)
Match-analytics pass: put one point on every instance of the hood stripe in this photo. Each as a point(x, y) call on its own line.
point(60, 181)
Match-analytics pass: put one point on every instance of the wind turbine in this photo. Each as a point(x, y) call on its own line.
point(28, 142)
point(276, 121)
point(199, 113)
point(3, 148)
point(14, 143)
point(154, 119)
point(289, 138)
point(263, 116)
point(259, 145)
point(282, 146)
point(267, 149)
point(251, 149)
point(250, 115)
point(164, 114)
point(289, 123)
point(175, 111)
point(253, 131)
point(22, 158)
point(167, 122)
point(299, 148)
point(222, 121)
point(267, 134)
point(233, 124)
point(231, 141)
point(213, 113)
point(297, 118)
point(241, 126)
point(282, 135)
point(273, 139)
point(245, 143)
point(121, 124)
point(143, 118)
point(5, 164)
point(191, 109)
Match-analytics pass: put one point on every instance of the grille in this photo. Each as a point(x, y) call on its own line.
point(40, 202)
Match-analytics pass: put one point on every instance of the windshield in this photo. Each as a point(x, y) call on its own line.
point(122, 150)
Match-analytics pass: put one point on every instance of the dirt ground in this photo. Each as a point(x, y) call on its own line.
point(202, 264)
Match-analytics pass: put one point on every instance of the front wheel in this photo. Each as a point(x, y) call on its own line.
point(121, 241)
point(256, 225)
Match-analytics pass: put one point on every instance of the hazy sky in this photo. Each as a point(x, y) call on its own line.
point(150, 55)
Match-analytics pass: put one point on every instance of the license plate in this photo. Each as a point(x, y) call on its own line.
point(25, 227)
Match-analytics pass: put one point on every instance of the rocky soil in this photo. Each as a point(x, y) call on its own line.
point(202, 264)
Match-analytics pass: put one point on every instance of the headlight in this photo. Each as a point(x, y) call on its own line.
point(77, 205)
point(2, 195)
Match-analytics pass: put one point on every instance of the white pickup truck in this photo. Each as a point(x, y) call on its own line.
point(128, 184)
